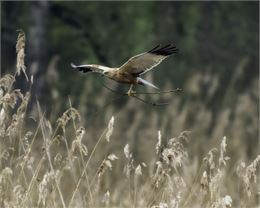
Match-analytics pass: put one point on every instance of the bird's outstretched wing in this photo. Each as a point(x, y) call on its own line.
point(90, 68)
point(83, 68)
point(144, 62)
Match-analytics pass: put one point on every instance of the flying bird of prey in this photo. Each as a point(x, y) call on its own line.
point(130, 72)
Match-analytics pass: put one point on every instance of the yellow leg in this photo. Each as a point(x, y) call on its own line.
point(130, 91)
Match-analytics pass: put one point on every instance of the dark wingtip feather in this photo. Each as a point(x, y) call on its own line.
point(156, 47)
point(80, 68)
point(165, 50)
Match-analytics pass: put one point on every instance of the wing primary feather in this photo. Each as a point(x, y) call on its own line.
point(165, 50)
point(165, 47)
point(156, 47)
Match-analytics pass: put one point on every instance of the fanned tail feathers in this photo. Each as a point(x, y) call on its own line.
point(144, 82)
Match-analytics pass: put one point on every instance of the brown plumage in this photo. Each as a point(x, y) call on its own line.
point(130, 72)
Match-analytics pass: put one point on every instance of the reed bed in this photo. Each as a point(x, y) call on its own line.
point(53, 164)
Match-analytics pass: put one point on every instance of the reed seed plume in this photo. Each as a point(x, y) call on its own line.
point(204, 181)
point(77, 143)
point(225, 202)
point(126, 151)
point(20, 50)
point(222, 158)
point(159, 142)
point(6, 82)
point(129, 167)
point(248, 175)
point(110, 129)
point(70, 114)
point(106, 198)
point(174, 153)
point(138, 170)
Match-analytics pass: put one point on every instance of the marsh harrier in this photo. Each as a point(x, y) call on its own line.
point(130, 72)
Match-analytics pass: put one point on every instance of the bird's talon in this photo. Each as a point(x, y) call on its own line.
point(131, 93)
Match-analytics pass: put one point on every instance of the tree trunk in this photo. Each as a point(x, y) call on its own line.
point(37, 46)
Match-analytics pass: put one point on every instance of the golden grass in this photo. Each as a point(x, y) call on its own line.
point(52, 165)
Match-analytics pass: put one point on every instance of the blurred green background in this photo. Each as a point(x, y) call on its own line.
point(217, 67)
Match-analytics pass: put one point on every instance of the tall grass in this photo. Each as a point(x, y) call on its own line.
point(53, 165)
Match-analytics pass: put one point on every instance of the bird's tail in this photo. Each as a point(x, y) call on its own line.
point(144, 82)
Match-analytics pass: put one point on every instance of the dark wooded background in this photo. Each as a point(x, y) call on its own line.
point(217, 65)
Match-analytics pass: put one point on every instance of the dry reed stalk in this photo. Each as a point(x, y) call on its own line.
point(48, 154)
point(80, 132)
point(138, 173)
point(85, 167)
